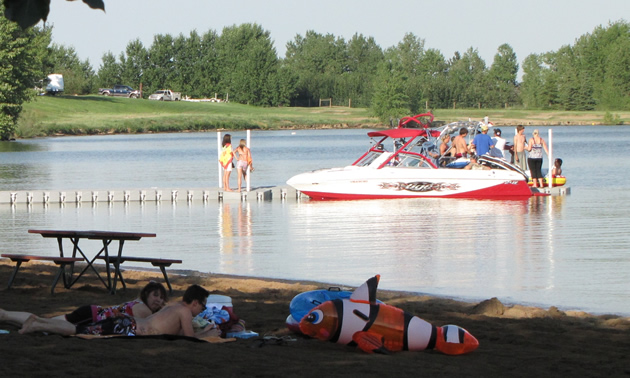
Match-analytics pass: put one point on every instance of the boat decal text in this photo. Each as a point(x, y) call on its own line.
point(419, 186)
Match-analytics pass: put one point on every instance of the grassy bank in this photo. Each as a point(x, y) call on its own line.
point(75, 115)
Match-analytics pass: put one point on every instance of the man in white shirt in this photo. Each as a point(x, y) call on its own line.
point(499, 145)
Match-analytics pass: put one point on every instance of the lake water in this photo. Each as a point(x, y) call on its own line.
point(572, 251)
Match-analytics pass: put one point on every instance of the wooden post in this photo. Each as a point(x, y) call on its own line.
point(249, 145)
point(550, 158)
point(349, 102)
point(218, 159)
point(454, 103)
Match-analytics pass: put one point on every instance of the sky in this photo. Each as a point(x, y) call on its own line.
point(528, 26)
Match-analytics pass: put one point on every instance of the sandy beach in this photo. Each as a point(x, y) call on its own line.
point(514, 340)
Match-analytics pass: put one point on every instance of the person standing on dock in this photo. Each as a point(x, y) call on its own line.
point(519, 147)
point(243, 160)
point(226, 158)
point(482, 142)
point(535, 147)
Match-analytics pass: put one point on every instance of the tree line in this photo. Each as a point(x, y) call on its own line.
point(404, 79)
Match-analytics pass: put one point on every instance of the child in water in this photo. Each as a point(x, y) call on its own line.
point(557, 168)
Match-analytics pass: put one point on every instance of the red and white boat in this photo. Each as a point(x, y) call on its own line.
point(399, 164)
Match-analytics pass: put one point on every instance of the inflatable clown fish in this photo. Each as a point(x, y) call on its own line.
point(380, 328)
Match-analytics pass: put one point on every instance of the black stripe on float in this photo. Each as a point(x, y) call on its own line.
point(373, 314)
point(460, 334)
point(406, 322)
point(339, 307)
point(433, 338)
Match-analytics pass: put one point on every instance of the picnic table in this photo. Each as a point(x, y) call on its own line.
point(107, 237)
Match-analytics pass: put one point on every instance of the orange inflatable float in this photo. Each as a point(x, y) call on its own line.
point(380, 328)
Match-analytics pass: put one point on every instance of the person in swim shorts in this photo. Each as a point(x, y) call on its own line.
point(244, 159)
point(122, 325)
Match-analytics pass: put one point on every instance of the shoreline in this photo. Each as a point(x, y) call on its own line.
point(367, 126)
point(489, 307)
point(567, 344)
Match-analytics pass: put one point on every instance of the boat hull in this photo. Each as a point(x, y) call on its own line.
point(367, 183)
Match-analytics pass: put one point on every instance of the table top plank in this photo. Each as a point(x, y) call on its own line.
point(93, 234)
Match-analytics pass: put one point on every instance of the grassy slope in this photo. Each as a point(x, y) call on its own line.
point(99, 114)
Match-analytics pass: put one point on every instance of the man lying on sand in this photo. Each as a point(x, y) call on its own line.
point(171, 320)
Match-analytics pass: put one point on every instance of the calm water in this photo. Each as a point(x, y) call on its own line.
point(572, 252)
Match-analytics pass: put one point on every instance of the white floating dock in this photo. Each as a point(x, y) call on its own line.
point(147, 195)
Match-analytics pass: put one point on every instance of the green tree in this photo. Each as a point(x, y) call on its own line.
point(110, 71)
point(389, 99)
point(502, 77)
point(359, 70)
point(248, 64)
point(533, 82)
point(21, 64)
point(407, 57)
point(467, 80)
point(134, 65)
point(317, 61)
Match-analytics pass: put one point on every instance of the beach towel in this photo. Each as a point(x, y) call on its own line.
point(209, 339)
point(226, 156)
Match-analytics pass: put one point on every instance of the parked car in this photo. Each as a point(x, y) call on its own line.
point(120, 91)
point(166, 95)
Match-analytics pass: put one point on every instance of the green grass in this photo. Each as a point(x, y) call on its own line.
point(76, 115)
point(99, 114)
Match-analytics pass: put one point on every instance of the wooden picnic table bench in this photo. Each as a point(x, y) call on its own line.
point(61, 261)
point(106, 237)
point(159, 262)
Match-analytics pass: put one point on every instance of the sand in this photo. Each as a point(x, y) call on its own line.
point(514, 340)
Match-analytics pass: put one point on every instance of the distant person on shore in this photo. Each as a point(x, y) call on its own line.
point(519, 148)
point(243, 160)
point(535, 148)
point(460, 147)
point(171, 320)
point(226, 159)
point(152, 299)
point(557, 168)
point(482, 142)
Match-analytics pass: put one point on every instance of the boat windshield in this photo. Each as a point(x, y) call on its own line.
point(412, 160)
point(372, 156)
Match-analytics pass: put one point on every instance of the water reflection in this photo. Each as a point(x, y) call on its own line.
point(235, 233)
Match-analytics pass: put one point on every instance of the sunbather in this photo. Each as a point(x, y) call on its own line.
point(171, 320)
point(152, 299)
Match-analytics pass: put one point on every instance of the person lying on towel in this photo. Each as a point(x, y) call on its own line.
point(152, 299)
point(174, 319)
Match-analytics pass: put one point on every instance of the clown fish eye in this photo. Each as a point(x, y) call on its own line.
point(315, 317)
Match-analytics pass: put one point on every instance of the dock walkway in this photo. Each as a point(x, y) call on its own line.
point(147, 195)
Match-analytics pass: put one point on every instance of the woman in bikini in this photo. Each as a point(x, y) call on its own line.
point(152, 298)
point(244, 159)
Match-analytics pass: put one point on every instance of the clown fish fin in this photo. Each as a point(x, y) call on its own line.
point(370, 342)
point(366, 293)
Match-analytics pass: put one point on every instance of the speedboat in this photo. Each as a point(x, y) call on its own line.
point(403, 163)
